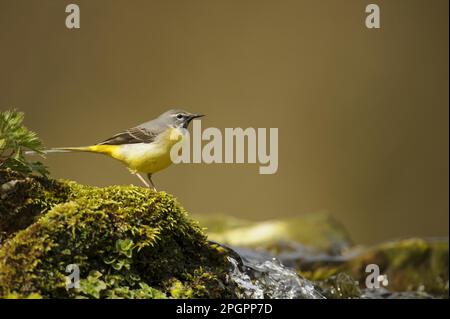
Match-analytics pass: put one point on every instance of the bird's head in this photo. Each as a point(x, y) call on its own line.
point(178, 118)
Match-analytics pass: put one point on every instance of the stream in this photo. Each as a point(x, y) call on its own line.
point(259, 275)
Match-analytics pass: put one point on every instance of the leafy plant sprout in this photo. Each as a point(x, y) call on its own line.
point(15, 139)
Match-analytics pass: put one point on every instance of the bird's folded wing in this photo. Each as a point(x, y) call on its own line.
point(131, 136)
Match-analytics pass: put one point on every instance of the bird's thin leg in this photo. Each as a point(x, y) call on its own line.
point(149, 175)
point(142, 179)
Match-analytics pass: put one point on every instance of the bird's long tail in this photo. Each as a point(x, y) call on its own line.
point(92, 149)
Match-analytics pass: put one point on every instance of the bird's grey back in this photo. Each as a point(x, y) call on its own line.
point(143, 133)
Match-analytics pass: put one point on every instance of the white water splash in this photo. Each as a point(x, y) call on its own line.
point(270, 279)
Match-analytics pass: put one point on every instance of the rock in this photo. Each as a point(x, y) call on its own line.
point(128, 242)
point(22, 199)
point(340, 286)
point(409, 265)
point(314, 233)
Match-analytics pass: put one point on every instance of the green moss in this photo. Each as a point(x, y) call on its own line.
point(23, 198)
point(410, 265)
point(128, 242)
point(318, 232)
point(340, 286)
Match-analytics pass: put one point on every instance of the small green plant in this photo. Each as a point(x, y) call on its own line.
point(15, 140)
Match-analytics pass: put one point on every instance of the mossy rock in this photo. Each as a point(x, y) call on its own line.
point(339, 286)
point(317, 233)
point(128, 242)
point(410, 265)
point(23, 198)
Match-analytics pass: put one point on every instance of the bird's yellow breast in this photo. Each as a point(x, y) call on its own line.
point(145, 157)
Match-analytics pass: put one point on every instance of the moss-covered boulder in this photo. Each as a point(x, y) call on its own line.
point(126, 241)
point(316, 233)
point(339, 286)
point(23, 198)
point(409, 265)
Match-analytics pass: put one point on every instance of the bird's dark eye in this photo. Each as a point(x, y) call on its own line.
point(179, 116)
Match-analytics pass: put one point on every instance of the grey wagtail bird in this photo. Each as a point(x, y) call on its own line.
point(144, 148)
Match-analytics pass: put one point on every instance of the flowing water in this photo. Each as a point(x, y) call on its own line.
point(258, 275)
point(270, 279)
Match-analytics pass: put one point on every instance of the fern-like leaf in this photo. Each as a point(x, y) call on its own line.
point(15, 139)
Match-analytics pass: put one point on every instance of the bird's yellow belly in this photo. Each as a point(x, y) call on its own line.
point(149, 157)
point(145, 158)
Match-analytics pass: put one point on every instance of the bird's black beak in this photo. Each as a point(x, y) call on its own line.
point(194, 116)
point(190, 118)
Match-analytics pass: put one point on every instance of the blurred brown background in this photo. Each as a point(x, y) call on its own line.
point(362, 114)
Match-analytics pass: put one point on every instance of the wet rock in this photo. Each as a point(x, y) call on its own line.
point(340, 286)
point(409, 265)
